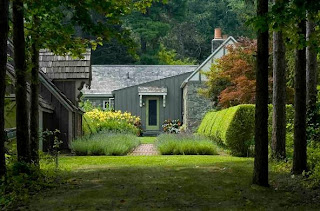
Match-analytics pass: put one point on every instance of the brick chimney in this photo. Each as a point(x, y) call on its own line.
point(217, 33)
point(217, 40)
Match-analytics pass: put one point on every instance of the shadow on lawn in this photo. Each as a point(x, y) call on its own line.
point(221, 185)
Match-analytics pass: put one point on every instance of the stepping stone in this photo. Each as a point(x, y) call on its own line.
point(145, 149)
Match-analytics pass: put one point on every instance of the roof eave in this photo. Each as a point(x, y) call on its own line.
point(203, 63)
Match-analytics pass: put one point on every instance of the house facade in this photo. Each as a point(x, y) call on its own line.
point(61, 80)
point(156, 93)
point(195, 105)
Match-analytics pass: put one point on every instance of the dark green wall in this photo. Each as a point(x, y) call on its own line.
point(128, 99)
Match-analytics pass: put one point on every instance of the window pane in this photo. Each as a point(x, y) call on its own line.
point(153, 112)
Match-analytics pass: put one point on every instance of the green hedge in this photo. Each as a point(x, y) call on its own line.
point(234, 127)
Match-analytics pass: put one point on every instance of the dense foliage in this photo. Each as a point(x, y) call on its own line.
point(172, 144)
point(185, 26)
point(113, 121)
point(105, 143)
point(23, 180)
point(232, 79)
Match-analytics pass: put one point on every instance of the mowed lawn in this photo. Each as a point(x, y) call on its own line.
point(169, 183)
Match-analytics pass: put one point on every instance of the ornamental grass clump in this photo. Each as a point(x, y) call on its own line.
point(173, 144)
point(105, 144)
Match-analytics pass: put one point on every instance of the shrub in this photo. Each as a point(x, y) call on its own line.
point(22, 181)
point(314, 162)
point(172, 144)
point(171, 126)
point(105, 144)
point(234, 127)
point(97, 120)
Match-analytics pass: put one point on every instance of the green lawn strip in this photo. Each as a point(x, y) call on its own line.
point(147, 140)
point(167, 182)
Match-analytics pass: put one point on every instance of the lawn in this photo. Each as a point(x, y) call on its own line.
point(147, 140)
point(169, 182)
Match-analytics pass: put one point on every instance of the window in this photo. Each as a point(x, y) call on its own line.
point(105, 104)
point(108, 104)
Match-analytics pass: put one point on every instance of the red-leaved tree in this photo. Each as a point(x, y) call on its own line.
point(232, 78)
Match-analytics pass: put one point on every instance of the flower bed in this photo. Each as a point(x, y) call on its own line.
point(113, 121)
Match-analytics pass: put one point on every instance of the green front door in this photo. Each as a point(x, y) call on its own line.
point(152, 109)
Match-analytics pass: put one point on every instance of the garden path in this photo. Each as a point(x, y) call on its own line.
point(145, 149)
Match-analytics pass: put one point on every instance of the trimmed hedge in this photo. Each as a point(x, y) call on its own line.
point(234, 127)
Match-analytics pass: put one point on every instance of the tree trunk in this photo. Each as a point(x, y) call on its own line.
point(4, 28)
point(34, 108)
point(300, 142)
point(260, 175)
point(312, 76)
point(21, 85)
point(278, 144)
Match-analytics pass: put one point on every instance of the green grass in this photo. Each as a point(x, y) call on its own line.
point(178, 144)
point(105, 144)
point(170, 183)
point(147, 140)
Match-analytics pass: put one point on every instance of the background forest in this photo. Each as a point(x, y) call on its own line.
point(176, 32)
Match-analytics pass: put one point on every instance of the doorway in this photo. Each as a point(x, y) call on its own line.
point(152, 109)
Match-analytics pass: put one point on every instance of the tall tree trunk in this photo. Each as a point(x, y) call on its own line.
point(312, 75)
point(300, 142)
point(260, 175)
point(4, 28)
point(34, 108)
point(278, 144)
point(21, 85)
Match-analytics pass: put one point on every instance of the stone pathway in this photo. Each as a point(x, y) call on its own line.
point(145, 149)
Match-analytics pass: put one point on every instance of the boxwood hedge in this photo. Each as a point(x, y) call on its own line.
point(234, 127)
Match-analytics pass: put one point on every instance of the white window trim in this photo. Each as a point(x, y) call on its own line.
point(111, 103)
point(104, 107)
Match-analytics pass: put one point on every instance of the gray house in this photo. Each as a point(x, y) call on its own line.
point(151, 92)
point(156, 93)
point(61, 79)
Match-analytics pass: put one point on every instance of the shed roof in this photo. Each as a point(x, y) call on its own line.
point(42, 102)
point(107, 78)
point(62, 98)
point(65, 67)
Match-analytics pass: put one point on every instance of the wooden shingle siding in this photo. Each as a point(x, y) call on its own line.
point(65, 67)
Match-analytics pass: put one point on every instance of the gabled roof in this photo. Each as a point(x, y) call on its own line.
point(65, 67)
point(62, 98)
point(107, 78)
point(208, 59)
